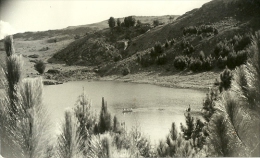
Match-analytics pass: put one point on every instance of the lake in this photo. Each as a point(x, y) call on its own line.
point(154, 107)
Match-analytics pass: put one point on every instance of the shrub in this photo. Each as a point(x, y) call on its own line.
point(218, 49)
point(195, 65)
point(207, 63)
point(190, 30)
point(184, 44)
point(117, 58)
point(231, 60)
point(156, 23)
point(158, 48)
point(40, 66)
point(125, 71)
point(153, 53)
point(225, 80)
point(166, 45)
point(241, 57)
point(67, 140)
point(221, 62)
point(226, 50)
point(146, 61)
point(180, 63)
point(162, 59)
point(208, 107)
point(8, 44)
point(243, 42)
point(172, 42)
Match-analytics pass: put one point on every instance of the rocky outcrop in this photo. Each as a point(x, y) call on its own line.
point(51, 82)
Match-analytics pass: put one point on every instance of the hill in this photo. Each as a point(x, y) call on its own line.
point(226, 18)
point(105, 45)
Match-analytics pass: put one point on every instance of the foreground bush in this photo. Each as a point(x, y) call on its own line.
point(233, 128)
point(22, 111)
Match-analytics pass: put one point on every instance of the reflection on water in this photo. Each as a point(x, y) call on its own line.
point(154, 107)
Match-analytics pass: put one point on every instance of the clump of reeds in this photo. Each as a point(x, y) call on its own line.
point(69, 140)
point(23, 117)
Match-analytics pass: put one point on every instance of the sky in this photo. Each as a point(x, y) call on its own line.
point(40, 15)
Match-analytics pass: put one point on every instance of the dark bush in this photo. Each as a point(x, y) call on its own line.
point(221, 62)
point(225, 80)
point(172, 42)
point(166, 45)
point(218, 49)
point(243, 43)
point(184, 44)
point(195, 65)
point(162, 59)
point(226, 50)
point(156, 23)
point(188, 50)
point(117, 58)
point(180, 63)
point(241, 57)
point(40, 66)
point(129, 21)
point(207, 64)
point(215, 31)
point(158, 48)
point(190, 30)
point(231, 60)
point(153, 54)
point(125, 71)
point(145, 61)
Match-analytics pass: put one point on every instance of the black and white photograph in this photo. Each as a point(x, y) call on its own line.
point(129, 78)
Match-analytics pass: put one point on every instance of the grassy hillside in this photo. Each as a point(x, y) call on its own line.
point(106, 45)
point(228, 17)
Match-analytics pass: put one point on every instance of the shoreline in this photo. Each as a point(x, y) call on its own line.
point(183, 80)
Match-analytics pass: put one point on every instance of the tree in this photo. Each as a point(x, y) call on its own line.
point(170, 19)
point(188, 129)
point(156, 23)
point(138, 23)
point(112, 22)
point(104, 118)
point(118, 22)
point(129, 21)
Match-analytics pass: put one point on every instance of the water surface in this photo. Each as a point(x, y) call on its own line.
point(154, 107)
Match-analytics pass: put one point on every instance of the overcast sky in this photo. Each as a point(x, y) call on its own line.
point(39, 15)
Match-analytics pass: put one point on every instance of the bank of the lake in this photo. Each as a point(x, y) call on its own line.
point(184, 79)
